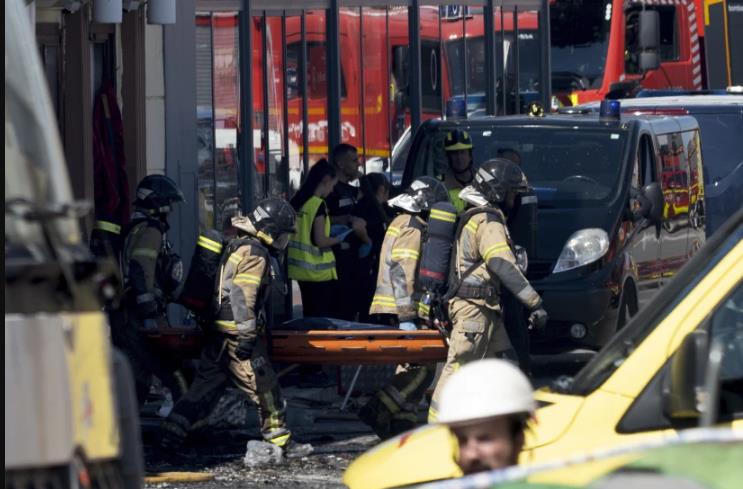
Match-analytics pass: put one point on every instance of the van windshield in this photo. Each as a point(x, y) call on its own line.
point(567, 166)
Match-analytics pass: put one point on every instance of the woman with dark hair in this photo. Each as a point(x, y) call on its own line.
point(375, 191)
point(311, 261)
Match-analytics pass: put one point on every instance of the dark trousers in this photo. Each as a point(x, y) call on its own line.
point(319, 299)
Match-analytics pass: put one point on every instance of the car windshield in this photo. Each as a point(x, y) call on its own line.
point(626, 341)
point(579, 54)
point(721, 144)
point(568, 166)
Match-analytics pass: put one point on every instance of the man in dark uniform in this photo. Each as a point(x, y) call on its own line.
point(341, 203)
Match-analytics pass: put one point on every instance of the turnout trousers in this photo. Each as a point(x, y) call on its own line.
point(218, 368)
point(393, 409)
point(477, 333)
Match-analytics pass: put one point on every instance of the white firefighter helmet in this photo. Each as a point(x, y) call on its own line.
point(484, 389)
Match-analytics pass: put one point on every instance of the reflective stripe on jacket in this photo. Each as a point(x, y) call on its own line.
point(398, 265)
point(243, 275)
point(306, 261)
point(485, 240)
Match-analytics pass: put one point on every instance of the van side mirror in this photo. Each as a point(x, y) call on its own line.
point(649, 37)
point(654, 195)
point(684, 384)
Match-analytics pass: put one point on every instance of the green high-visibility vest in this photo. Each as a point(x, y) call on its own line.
point(307, 262)
point(455, 200)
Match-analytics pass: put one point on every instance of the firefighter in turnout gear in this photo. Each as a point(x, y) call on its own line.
point(393, 409)
point(151, 273)
point(458, 147)
point(236, 350)
point(483, 262)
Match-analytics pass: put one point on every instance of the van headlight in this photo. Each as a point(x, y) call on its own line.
point(583, 247)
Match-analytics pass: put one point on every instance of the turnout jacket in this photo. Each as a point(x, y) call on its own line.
point(398, 266)
point(485, 244)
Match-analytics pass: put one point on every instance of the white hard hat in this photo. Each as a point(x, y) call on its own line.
point(484, 389)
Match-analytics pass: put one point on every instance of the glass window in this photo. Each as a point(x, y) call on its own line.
point(204, 121)
point(726, 327)
point(579, 54)
point(693, 150)
point(351, 65)
point(565, 170)
point(668, 49)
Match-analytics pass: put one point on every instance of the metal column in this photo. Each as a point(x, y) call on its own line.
point(285, 110)
point(516, 64)
point(265, 139)
point(303, 88)
point(504, 80)
point(490, 72)
point(546, 71)
point(247, 156)
point(414, 36)
point(334, 75)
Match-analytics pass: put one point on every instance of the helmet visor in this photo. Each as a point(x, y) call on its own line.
point(281, 242)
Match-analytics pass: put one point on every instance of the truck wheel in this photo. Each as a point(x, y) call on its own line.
point(130, 463)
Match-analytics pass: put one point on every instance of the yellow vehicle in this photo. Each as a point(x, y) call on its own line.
point(69, 417)
point(648, 382)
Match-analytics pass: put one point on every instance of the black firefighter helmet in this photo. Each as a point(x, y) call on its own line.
point(274, 220)
point(495, 178)
point(157, 193)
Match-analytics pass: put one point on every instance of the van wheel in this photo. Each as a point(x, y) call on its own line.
point(130, 463)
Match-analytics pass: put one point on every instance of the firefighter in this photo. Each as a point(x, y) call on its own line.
point(458, 147)
point(486, 405)
point(151, 273)
point(485, 261)
point(393, 409)
point(236, 350)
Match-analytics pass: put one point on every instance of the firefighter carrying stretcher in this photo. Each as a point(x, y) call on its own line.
point(393, 409)
point(484, 260)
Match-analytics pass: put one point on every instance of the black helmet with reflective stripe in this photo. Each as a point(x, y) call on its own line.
point(456, 140)
point(156, 193)
point(274, 220)
point(496, 177)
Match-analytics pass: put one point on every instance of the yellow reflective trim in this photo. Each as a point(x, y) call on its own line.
point(423, 309)
point(247, 278)
point(280, 440)
point(108, 226)
point(230, 325)
point(443, 215)
point(393, 231)
point(433, 415)
point(145, 252)
point(405, 253)
point(210, 244)
point(235, 259)
point(472, 226)
point(495, 249)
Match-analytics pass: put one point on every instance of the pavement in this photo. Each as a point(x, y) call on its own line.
point(315, 416)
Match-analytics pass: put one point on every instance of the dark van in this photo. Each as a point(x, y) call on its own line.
point(720, 119)
point(594, 255)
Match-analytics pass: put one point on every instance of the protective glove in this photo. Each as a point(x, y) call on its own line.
point(340, 231)
point(365, 249)
point(244, 350)
point(538, 318)
point(408, 326)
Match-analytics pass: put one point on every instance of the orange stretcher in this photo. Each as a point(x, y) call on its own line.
point(336, 347)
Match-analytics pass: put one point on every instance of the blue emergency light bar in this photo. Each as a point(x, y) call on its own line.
point(610, 111)
point(456, 108)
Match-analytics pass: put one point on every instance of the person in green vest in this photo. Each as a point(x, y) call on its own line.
point(458, 147)
point(310, 259)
